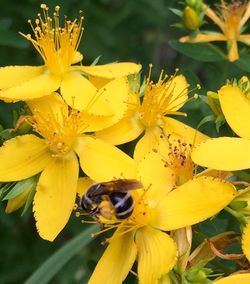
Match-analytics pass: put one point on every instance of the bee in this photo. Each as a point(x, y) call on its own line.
point(110, 199)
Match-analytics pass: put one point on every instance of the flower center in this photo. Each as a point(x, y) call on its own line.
point(57, 46)
point(160, 99)
point(179, 160)
point(60, 130)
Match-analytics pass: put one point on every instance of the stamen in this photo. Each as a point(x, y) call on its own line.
point(104, 230)
point(56, 45)
point(117, 236)
point(134, 273)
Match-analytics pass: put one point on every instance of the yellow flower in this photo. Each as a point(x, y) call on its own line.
point(231, 19)
point(53, 154)
point(160, 100)
point(163, 205)
point(227, 153)
point(58, 49)
point(241, 278)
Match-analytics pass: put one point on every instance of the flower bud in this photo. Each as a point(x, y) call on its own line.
point(191, 19)
point(18, 201)
point(214, 103)
point(241, 204)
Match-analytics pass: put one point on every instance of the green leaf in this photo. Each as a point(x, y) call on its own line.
point(95, 61)
point(244, 62)
point(177, 12)
point(220, 120)
point(53, 265)
point(5, 134)
point(204, 52)
point(5, 188)
point(20, 187)
point(30, 196)
point(206, 119)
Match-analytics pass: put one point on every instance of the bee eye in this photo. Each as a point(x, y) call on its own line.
point(85, 204)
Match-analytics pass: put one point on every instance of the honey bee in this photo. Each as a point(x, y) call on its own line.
point(110, 199)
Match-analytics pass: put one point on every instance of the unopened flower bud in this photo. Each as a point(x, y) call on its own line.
point(191, 19)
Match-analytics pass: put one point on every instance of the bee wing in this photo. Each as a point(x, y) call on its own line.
point(119, 185)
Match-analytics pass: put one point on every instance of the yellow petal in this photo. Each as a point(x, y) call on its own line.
point(233, 53)
point(102, 161)
point(116, 261)
point(246, 241)
point(55, 196)
point(214, 17)
point(17, 202)
point(178, 90)
point(149, 141)
point(115, 94)
point(98, 82)
point(79, 93)
point(92, 122)
point(215, 174)
point(52, 106)
point(236, 108)
point(83, 184)
point(111, 71)
point(157, 254)
point(165, 280)
point(157, 182)
point(127, 129)
point(14, 75)
point(203, 38)
point(188, 134)
point(193, 202)
point(77, 57)
point(241, 278)
point(37, 87)
point(22, 157)
point(224, 153)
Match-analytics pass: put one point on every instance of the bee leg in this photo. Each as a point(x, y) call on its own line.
point(98, 221)
point(93, 213)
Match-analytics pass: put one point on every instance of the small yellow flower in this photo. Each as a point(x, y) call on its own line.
point(53, 154)
point(58, 48)
point(231, 19)
point(160, 100)
point(165, 204)
point(227, 153)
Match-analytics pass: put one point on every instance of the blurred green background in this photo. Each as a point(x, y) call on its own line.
point(129, 30)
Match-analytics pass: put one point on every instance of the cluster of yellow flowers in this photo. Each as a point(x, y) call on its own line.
point(78, 116)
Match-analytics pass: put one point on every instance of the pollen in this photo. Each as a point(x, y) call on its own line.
point(56, 45)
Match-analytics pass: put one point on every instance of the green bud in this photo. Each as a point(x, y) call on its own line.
point(214, 103)
point(191, 19)
point(195, 4)
point(24, 127)
point(197, 274)
point(241, 204)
